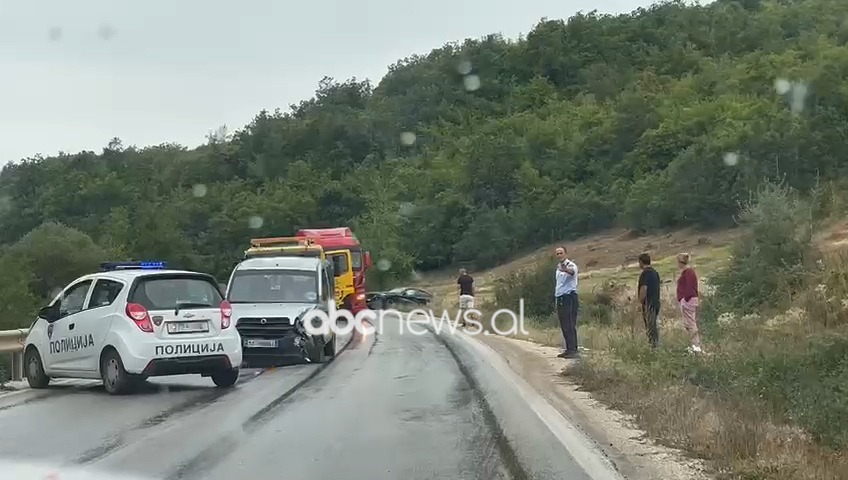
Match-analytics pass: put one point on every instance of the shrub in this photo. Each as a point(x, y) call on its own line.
point(825, 300)
point(770, 263)
point(44, 260)
point(534, 284)
point(601, 305)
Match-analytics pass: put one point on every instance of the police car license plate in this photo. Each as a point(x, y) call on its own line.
point(255, 342)
point(188, 327)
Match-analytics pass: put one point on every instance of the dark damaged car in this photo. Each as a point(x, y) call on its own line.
point(402, 296)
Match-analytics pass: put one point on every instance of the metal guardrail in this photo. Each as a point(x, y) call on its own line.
point(12, 343)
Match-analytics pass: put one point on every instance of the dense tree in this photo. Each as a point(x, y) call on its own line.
point(664, 117)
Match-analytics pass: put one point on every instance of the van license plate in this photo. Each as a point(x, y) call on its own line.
point(188, 327)
point(255, 342)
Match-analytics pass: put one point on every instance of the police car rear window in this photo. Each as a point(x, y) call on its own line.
point(164, 293)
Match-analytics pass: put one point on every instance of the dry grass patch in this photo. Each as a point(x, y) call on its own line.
point(740, 438)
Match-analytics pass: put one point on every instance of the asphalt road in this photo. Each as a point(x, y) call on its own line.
point(390, 406)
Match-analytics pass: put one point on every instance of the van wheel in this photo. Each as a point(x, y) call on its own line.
point(226, 378)
point(316, 350)
point(35, 369)
point(116, 380)
point(330, 348)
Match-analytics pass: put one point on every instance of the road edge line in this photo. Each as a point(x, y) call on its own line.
point(584, 449)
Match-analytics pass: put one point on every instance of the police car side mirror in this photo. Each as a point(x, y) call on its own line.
point(49, 313)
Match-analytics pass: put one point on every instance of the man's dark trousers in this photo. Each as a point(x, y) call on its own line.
point(567, 307)
point(649, 315)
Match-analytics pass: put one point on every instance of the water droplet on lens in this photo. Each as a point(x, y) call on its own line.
point(782, 86)
point(472, 82)
point(798, 97)
point(407, 138)
point(255, 222)
point(406, 209)
point(731, 159)
point(54, 34)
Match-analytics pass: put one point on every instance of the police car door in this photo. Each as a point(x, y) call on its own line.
point(66, 345)
point(95, 321)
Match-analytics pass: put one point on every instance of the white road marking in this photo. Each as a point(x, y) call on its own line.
point(582, 448)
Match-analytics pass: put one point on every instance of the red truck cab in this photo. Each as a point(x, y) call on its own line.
point(338, 240)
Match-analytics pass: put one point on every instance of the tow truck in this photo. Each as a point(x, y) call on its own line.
point(350, 262)
point(284, 247)
point(303, 246)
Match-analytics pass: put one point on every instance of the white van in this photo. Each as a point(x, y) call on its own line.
point(269, 297)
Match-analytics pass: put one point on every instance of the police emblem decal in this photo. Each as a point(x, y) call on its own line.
point(50, 331)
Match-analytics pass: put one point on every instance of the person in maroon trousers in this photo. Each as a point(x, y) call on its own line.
point(687, 297)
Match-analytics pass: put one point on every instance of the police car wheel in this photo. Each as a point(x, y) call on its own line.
point(35, 369)
point(116, 380)
point(225, 378)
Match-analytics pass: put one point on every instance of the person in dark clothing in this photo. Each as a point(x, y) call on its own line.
point(649, 298)
point(466, 291)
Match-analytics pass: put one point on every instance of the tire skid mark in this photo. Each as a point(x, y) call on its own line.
point(34, 399)
point(374, 343)
point(112, 443)
point(220, 448)
point(507, 452)
point(55, 391)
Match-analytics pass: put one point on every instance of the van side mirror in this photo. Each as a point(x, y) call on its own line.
point(50, 313)
point(367, 259)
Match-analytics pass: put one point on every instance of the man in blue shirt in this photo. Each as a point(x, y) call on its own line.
point(567, 304)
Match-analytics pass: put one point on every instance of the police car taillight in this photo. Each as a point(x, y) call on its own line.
point(226, 314)
point(139, 315)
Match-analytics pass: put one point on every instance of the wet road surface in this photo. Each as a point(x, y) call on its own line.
point(390, 406)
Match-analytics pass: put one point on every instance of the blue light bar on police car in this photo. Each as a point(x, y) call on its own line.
point(107, 266)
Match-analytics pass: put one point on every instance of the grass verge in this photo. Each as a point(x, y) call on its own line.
point(767, 400)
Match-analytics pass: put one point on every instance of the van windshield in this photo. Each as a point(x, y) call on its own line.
point(274, 286)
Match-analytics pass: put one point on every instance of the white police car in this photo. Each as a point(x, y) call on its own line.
point(131, 321)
